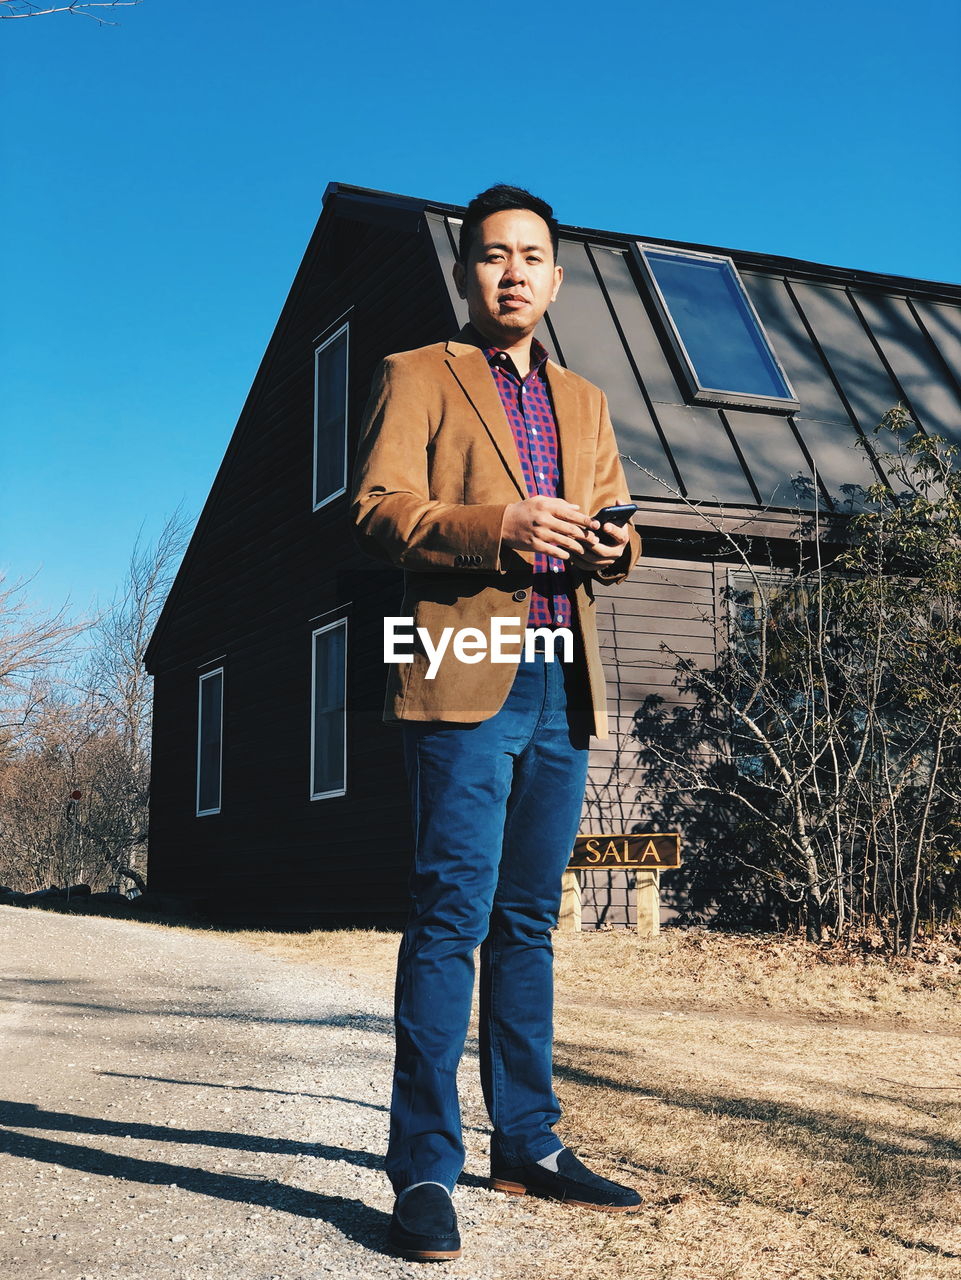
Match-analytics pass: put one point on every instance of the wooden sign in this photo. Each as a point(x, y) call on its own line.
point(622, 852)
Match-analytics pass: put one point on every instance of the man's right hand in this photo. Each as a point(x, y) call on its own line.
point(552, 525)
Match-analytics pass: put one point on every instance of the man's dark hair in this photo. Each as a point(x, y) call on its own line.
point(494, 200)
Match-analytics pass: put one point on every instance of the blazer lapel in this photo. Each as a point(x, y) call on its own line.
point(568, 413)
point(469, 366)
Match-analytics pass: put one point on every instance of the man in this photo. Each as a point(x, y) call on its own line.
point(480, 466)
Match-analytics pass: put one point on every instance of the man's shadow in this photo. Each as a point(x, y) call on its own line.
point(354, 1219)
point(357, 1221)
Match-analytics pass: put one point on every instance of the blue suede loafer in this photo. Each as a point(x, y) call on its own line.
point(573, 1183)
point(423, 1227)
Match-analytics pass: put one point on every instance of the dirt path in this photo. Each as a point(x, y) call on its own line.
point(180, 1105)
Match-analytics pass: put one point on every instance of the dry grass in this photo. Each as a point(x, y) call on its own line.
point(785, 1118)
point(788, 1112)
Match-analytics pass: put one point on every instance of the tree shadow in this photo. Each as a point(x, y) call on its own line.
point(234, 1088)
point(26, 1115)
point(253, 1088)
point(381, 1024)
point(882, 1163)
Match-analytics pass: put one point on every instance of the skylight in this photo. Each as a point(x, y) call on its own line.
point(717, 335)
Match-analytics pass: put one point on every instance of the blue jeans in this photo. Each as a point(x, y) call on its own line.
point(496, 807)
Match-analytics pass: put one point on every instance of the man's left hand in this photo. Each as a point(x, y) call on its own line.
point(603, 550)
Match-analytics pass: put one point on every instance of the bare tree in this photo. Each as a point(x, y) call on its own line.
point(40, 842)
point(120, 693)
point(31, 645)
point(24, 9)
point(114, 673)
point(74, 784)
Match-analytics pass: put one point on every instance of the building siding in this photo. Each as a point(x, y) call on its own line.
point(665, 604)
point(266, 571)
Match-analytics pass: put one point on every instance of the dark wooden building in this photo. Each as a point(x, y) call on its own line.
point(277, 792)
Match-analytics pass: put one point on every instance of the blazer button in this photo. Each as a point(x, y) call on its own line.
point(520, 595)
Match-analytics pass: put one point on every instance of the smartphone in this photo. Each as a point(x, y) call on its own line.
point(617, 514)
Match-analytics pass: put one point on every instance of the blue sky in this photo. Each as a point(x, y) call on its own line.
point(161, 179)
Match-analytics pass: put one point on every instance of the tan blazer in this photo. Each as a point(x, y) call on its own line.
point(435, 470)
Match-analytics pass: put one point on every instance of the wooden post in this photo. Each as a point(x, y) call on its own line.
point(648, 904)
point(569, 919)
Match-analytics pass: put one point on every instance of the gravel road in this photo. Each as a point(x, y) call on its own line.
point(181, 1105)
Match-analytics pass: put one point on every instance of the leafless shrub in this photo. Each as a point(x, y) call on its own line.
point(825, 739)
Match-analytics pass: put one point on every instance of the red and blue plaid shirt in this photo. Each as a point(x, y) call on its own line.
point(527, 403)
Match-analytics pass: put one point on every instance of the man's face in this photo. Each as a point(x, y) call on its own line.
point(510, 278)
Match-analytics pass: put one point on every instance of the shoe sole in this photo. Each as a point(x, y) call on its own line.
point(427, 1255)
point(518, 1189)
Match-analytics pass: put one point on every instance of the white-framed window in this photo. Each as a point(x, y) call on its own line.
point(330, 417)
point(717, 335)
point(328, 711)
point(210, 735)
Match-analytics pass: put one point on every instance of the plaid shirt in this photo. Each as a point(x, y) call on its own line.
point(530, 413)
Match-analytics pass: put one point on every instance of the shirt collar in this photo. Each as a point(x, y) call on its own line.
point(493, 355)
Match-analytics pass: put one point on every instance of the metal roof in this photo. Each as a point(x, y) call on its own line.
point(853, 344)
